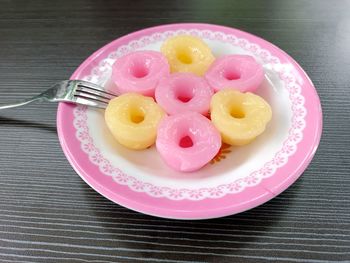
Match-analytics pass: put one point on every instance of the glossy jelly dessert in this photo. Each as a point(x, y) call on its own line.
point(181, 92)
point(187, 54)
point(139, 72)
point(133, 120)
point(240, 72)
point(187, 141)
point(240, 117)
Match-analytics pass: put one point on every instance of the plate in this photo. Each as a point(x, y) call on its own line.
point(238, 178)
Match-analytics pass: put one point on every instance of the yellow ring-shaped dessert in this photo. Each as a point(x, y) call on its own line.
point(187, 54)
point(240, 117)
point(133, 120)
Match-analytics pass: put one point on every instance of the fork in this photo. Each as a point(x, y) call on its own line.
point(74, 91)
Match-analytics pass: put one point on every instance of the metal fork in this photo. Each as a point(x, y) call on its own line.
point(74, 91)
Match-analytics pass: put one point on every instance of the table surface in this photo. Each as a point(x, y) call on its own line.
point(48, 214)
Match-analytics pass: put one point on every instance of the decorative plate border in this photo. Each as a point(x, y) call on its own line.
point(295, 134)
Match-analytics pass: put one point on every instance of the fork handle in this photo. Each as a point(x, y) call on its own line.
point(20, 103)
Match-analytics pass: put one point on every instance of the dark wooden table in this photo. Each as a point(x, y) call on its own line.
point(48, 214)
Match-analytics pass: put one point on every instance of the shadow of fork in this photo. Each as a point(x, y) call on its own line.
point(24, 123)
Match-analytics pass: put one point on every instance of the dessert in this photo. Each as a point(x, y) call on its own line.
point(187, 141)
point(187, 54)
point(139, 72)
point(181, 92)
point(240, 117)
point(240, 72)
point(133, 120)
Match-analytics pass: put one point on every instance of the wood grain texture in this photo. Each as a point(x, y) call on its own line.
point(48, 214)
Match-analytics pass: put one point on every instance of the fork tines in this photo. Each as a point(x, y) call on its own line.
point(91, 92)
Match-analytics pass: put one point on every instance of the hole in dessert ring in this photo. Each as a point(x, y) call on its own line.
point(232, 74)
point(139, 69)
point(186, 142)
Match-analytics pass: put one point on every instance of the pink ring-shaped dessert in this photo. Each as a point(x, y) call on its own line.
point(240, 72)
point(187, 141)
point(139, 72)
point(181, 92)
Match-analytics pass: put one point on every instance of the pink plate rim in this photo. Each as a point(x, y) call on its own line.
point(206, 208)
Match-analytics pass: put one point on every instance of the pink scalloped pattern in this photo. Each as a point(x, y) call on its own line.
point(295, 134)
